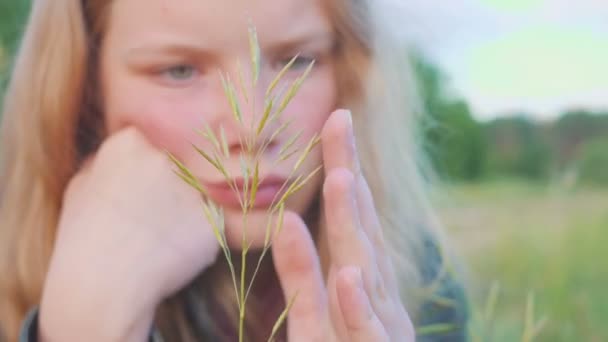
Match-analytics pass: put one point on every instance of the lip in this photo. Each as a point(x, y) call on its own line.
point(269, 189)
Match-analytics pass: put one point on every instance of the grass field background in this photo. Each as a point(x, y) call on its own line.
point(531, 238)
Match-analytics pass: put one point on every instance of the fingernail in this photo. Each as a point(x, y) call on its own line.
point(353, 142)
point(350, 117)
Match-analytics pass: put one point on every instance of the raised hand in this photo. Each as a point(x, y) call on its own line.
point(360, 299)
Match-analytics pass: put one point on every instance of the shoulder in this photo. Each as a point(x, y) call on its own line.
point(444, 313)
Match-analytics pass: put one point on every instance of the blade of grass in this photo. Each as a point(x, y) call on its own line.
point(254, 51)
point(230, 94)
point(184, 173)
point(224, 142)
point(211, 161)
point(280, 75)
point(491, 301)
point(245, 174)
point(302, 183)
point(288, 155)
point(293, 90)
point(255, 184)
point(272, 138)
point(267, 110)
point(212, 221)
point(290, 143)
point(311, 144)
point(209, 136)
point(241, 81)
point(282, 318)
point(432, 329)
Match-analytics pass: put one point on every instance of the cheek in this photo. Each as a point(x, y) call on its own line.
point(168, 121)
point(312, 106)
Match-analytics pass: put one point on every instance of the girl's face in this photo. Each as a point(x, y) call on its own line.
point(160, 63)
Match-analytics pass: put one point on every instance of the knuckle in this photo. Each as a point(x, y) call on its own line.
point(74, 185)
point(298, 263)
point(339, 180)
point(380, 289)
point(128, 140)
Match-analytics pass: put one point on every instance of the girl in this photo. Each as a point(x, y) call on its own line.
point(102, 242)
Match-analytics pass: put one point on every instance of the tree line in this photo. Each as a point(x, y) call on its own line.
point(572, 148)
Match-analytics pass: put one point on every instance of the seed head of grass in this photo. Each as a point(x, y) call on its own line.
point(250, 163)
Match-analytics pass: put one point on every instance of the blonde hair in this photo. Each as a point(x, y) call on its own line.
point(51, 119)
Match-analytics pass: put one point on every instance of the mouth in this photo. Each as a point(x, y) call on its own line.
point(269, 191)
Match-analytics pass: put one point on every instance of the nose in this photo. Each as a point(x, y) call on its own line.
point(245, 117)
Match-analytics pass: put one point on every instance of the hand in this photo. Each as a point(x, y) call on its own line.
point(130, 234)
point(360, 301)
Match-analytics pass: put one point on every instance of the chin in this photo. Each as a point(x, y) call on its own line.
point(255, 232)
point(257, 225)
point(304, 204)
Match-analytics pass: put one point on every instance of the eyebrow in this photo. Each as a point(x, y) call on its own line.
point(195, 49)
point(322, 39)
point(169, 48)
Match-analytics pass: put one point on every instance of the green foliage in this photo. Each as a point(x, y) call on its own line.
point(573, 129)
point(12, 21)
point(454, 139)
point(516, 147)
point(532, 238)
point(593, 165)
point(457, 143)
point(484, 321)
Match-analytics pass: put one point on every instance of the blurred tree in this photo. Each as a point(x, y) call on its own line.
point(593, 162)
point(573, 129)
point(516, 147)
point(454, 139)
point(12, 21)
point(459, 142)
point(3, 58)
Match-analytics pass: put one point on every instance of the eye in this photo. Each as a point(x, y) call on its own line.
point(300, 62)
point(180, 72)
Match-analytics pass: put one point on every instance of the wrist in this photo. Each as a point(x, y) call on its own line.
point(102, 313)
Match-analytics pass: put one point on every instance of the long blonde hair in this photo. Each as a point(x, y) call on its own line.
point(51, 119)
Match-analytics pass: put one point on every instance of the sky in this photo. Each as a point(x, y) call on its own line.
point(539, 57)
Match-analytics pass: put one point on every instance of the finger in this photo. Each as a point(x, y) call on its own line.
point(348, 244)
point(298, 268)
point(339, 151)
point(362, 323)
point(373, 229)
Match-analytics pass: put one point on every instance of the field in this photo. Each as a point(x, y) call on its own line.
point(539, 240)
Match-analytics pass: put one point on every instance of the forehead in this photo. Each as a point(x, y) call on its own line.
point(217, 22)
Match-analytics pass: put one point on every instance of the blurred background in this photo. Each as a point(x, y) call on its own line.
point(518, 90)
point(517, 93)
